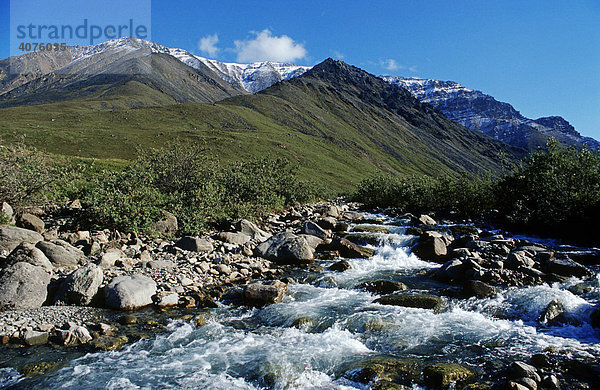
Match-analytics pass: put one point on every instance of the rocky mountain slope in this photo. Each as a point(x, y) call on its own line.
point(478, 111)
point(127, 70)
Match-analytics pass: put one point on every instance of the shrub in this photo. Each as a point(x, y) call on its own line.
point(25, 175)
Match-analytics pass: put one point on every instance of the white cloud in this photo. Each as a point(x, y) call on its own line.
point(391, 64)
point(338, 55)
point(208, 44)
point(267, 47)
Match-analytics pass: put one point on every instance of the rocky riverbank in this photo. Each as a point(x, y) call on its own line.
point(89, 289)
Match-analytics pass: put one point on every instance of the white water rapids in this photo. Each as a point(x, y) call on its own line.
point(323, 325)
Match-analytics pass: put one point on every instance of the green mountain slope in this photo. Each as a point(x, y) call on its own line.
point(338, 122)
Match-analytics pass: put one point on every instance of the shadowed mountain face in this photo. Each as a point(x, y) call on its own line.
point(353, 109)
point(128, 70)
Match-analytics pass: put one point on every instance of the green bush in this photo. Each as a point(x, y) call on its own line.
point(183, 181)
point(555, 191)
point(25, 175)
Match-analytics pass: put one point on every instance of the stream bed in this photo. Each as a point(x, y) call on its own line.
point(317, 337)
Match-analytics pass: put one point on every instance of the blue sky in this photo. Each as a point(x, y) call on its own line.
point(542, 56)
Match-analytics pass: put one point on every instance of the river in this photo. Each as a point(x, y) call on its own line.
point(314, 338)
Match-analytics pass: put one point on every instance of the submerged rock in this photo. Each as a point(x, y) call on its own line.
point(422, 301)
point(385, 368)
point(340, 266)
point(382, 286)
point(443, 375)
point(258, 294)
point(349, 249)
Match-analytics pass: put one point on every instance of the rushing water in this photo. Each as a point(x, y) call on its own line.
point(324, 325)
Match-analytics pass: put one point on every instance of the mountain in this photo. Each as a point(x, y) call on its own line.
point(126, 71)
point(102, 71)
point(500, 120)
point(339, 123)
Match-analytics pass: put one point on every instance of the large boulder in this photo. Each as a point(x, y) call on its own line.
point(12, 236)
point(23, 286)
point(431, 248)
point(81, 286)
point(427, 220)
point(566, 267)
point(130, 292)
point(286, 248)
point(517, 259)
point(312, 229)
point(167, 225)
point(61, 253)
point(250, 229)
point(31, 222)
point(349, 249)
point(258, 294)
point(194, 244)
point(28, 253)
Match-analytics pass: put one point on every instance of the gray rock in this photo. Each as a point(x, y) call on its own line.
point(423, 301)
point(331, 211)
point(28, 253)
point(81, 286)
point(194, 244)
point(33, 337)
point(171, 299)
point(234, 238)
point(7, 211)
point(452, 270)
point(23, 286)
point(427, 220)
point(286, 248)
point(349, 249)
point(313, 241)
point(167, 265)
point(553, 314)
point(12, 236)
point(340, 266)
point(327, 223)
point(110, 257)
point(352, 216)
point(31, 222)
point(431, 249)
point(166, 226)
point(61, 253)
point(257, 294)
point(311, 228)
point(520, 369)
point(382, 286)
point(74, 335)
point(479, 289)
point(130, 292)
point(250, 229)
point(518, 259)
point(567, 267)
